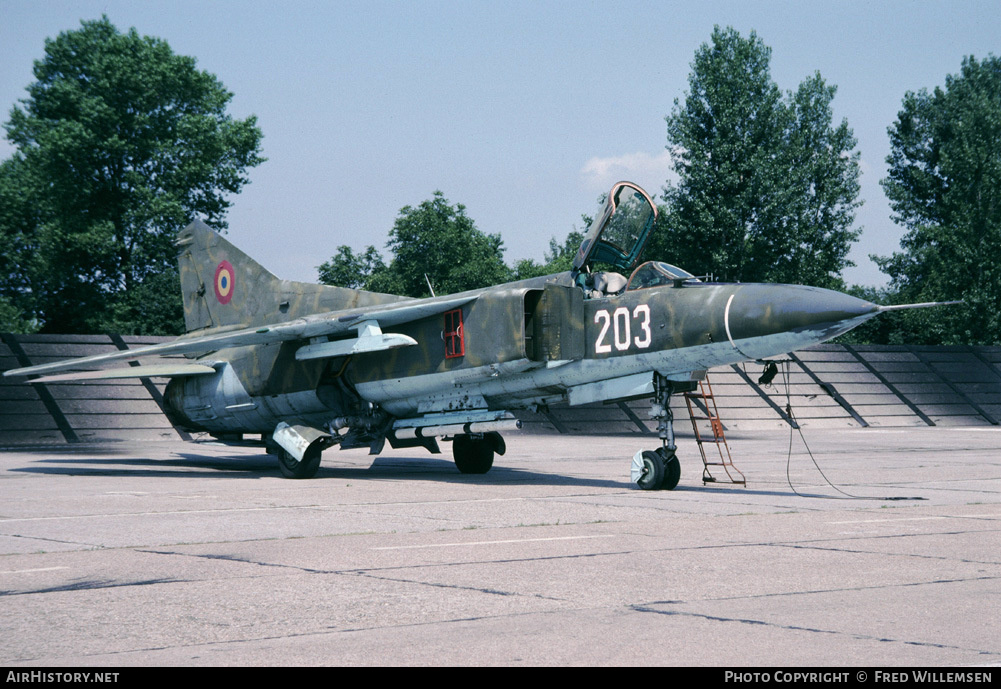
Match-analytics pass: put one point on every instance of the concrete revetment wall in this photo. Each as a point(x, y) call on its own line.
point(830, 386)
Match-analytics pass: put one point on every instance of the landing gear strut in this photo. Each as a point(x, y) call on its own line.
point(660, 469)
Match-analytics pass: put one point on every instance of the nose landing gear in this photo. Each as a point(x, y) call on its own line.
point(660, 469)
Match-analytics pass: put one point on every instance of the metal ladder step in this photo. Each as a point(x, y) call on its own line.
point(718, 438)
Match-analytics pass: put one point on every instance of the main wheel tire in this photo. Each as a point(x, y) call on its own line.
point(653, 471)
point(305, 468)
point(472, 455)
point(672, 469)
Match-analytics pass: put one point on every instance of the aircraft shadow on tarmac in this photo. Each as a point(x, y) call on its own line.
point(190, 465)
point(417, 468)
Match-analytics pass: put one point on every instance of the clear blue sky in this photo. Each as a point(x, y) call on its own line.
point(523, 111)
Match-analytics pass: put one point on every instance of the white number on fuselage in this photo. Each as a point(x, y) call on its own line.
point(621, 326)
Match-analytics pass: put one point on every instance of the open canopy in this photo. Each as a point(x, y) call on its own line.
point(619, 232)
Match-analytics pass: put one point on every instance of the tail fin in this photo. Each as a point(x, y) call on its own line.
point(222, 286)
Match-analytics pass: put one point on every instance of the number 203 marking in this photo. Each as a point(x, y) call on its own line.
point(620, 324)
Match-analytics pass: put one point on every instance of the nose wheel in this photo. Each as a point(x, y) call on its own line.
point(656, 469)
point(659, 469)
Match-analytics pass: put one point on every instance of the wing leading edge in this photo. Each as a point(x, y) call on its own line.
point(335, 323)
point(154, 371)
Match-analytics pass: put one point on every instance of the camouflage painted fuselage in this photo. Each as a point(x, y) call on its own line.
point(533, 342)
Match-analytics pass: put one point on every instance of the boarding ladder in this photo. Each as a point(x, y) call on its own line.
point(702, 408)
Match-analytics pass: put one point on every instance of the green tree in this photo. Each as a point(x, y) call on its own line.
point(434, 242)
point(558, 259)
point(768, 185)
point(19, 214)
point(439, 242)
point(120, 144)
point(346, 269)
point(944, 186)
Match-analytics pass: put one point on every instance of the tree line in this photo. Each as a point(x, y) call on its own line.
point(120, 143)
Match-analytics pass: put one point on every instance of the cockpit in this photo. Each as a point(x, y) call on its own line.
point(616, 239)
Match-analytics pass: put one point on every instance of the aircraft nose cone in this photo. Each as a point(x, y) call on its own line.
point(798, 316)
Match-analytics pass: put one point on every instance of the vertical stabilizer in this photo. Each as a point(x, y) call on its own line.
point(222, 286)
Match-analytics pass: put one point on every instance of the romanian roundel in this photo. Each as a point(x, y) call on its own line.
point(224, 282)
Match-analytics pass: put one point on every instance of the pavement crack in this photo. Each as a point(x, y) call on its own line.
point(798, 628)
point(54, 540)
point(244, 560)
point(874, 587)
point(91, 585)
point(860, 551)
point(457, 587)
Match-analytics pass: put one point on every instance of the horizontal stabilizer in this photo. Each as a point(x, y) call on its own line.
point(156, 371)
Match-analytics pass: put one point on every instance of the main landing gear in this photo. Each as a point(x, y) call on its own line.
point(660, 469)
point(299, 468)
point(474, 452)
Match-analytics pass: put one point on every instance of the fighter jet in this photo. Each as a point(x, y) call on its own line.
point(308, 367)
